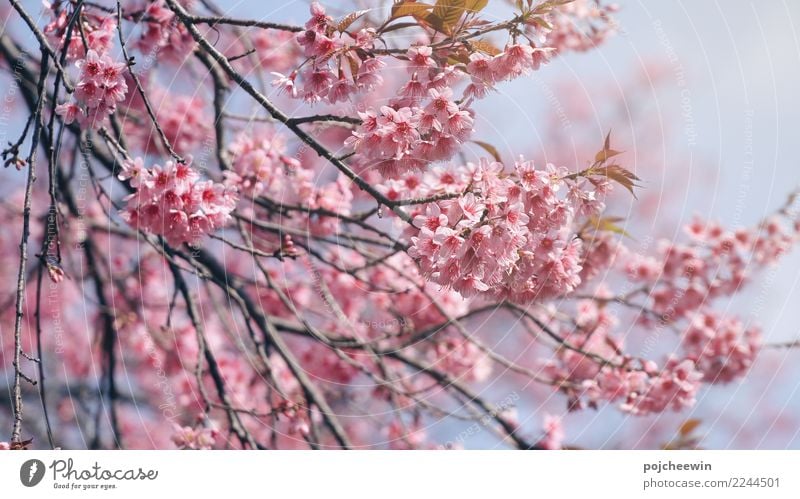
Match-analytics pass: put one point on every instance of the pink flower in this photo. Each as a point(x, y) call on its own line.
point(162, 35)
point(340, 90)
point(187, 437)
point(89, 93)
point(553, 433)
point(316, 44)
point(317, 84)
point(441, 105)
point(285, 84)
point(515, 60)
point(414, 90)
point(91, 66)
point(471, 207)
point(319, 20)
point(134, 171)
point(509, 237)
point(69, 111)
point(480, 67)
point(369, 74)
point(97, 33)
point(174, 203)
point(720, 347)
point(673, 388)
point(111, 73)
point(100, 88)
point(419, 58)
point(365, 38)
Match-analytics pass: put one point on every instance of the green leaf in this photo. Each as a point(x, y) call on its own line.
point(539, 21)
point(607, 224)
point(475, 6)
point(446, 13)
point(550, 5)
point(409, 8)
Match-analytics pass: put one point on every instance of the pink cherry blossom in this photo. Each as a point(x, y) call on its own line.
point(553, 433)
point(173, 202)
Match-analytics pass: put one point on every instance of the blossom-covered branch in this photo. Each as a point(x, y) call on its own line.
point(297, 235)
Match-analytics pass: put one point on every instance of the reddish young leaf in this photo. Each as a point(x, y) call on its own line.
point(618, 174)
point(488, 148)
point(688, 427)
point(349, 19)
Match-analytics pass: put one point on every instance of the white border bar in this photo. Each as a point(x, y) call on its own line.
point(409, 474)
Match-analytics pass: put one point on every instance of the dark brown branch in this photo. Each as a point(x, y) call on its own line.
point(129, 64)
point(246, 23)
point(23, 248)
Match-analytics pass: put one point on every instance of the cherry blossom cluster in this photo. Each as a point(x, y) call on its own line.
point(511, 237)
point(715, 262)
point(651, 391)
point(101, 86)
point(186, 437)
point(425, 122)
point(261, 164)
point(261, 167)
point(337, 63)
point(162, 33)
point(182, 118)
point(579, 25)
point(388, 320)
point(460, 358)
point(721, 347)
point(514, 61)
point(276, 51)
point(174, 202)
point(715, 348)
point(94, 31)
point(395, 141)
point(640, 388)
